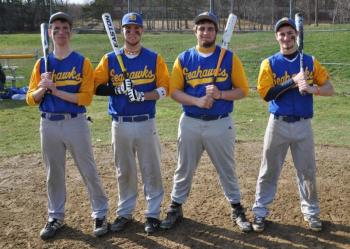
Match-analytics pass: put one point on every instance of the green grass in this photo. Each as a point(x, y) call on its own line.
point(19, 123)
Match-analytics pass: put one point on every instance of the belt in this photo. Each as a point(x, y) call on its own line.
point(138, 118)
point(58, 117)
point(206, 117)
point(288, 119)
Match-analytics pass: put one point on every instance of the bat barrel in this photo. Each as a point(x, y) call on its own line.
point(299, 23)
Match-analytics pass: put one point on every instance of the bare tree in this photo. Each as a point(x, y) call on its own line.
point(316, 12)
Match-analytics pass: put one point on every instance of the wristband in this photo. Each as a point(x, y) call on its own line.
point(317, 90)
point(161, 92)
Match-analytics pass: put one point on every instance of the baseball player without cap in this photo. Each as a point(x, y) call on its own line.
point(132, 18)
point(206, 16)
point(61, 15)
point(285, 21)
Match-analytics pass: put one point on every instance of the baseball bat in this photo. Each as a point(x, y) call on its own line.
point(108, 23)
point(299, 24)
point(45, 43)
point(226, 38)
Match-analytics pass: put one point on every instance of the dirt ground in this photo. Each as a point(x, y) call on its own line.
point(207, 221)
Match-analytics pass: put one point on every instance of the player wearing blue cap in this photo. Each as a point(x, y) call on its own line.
point(133, 112)
point(64, 126)
point(206, 123)
point(282, 84)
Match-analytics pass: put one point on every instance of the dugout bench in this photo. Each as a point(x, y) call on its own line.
point(11, 70)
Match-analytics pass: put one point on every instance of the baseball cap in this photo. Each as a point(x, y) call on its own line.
point(285, 21)
point(206, 16)
point(132, 18)
point(61, 15)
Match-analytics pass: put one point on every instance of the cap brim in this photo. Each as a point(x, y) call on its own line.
point(204, 17)
point(133, 23)
point(284, 23)
point(61, 16)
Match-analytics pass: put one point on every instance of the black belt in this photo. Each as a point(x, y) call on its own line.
point(58, 117)
point(206, 117)
point(138, 118)
point(288, 119)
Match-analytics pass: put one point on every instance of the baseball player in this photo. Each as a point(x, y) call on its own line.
point(64, 126)
point(290, 96)
point(206, 123)
point(132, 106)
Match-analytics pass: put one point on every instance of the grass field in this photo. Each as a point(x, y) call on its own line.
point(19, 123)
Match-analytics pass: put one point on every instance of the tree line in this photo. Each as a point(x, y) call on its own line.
point(167, 15)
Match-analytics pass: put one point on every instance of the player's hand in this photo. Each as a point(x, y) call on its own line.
point(135, 96)
point(124, 87)
point(46, 80)
point(205, 102)
point(213, 91)
point(48, 84)
point(301, 82)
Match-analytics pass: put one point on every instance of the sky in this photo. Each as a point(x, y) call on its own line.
point(78, 1)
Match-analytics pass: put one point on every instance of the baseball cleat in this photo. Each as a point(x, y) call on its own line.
point(259, 224)
point(50, 229)
point(314, 222)
point(151, 225)
point(238, 216)
point(100, 226)
point(119, 224)
point(173, 216)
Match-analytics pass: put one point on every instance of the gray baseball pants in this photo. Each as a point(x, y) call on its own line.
point(217, 137)
point(280, 136)
point(73, 135)
point(131, 139)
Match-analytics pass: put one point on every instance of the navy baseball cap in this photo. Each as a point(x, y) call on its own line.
point(206, 16)
point(132, 18)
point(62, 16)
point(285, 21)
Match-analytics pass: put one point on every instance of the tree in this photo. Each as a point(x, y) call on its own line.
point(316, 12)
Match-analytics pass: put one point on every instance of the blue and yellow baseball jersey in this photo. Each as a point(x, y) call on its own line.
point(193, 72)
point(73, 74)
point(147, 71)
point(276, 70)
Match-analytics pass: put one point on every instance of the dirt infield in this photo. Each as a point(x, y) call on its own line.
point(207, 221)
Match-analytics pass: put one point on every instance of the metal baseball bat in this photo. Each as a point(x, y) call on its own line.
point(299, 23)
point(108, 23)
point(226, 38)
point(45, 43)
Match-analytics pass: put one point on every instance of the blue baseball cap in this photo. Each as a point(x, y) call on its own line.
point(206, 16)
point(285, 21)
point(132, 18)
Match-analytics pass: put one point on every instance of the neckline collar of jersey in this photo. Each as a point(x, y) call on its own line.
point(206, 50)
point(64, 57)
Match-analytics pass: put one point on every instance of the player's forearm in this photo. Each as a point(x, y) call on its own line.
point(278, 90)
point(230, 95)
point(326, 89)
point(105, 90)
point(38, 94)
point(183, 98)
point(153, 95)
point(70, 97)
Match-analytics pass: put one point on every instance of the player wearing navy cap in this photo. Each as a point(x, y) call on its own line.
point(281, 83)
point(206, 123)
point(133, 113)
point(64, 126)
